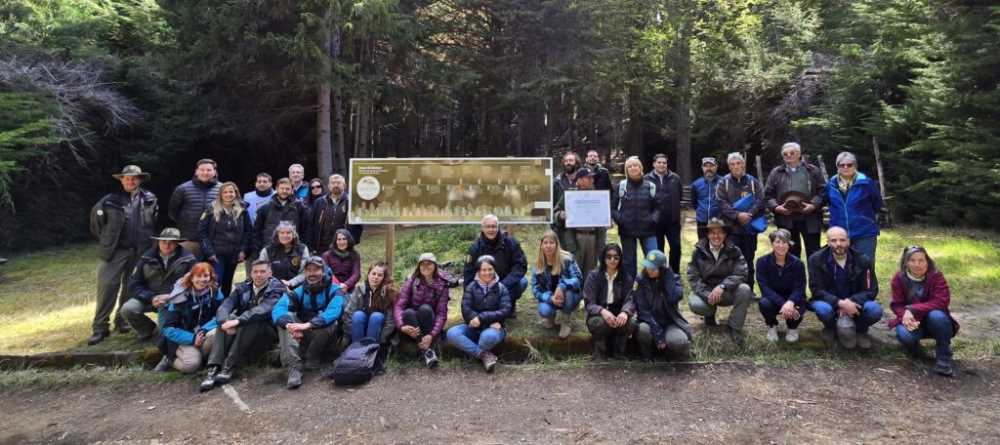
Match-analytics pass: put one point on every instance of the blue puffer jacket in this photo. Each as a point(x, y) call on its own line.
point(634, 208)
point(857, 212)
point(703, 194)
point(490, 303)
point(569, 280)
point(320, 309)
point(188, 314)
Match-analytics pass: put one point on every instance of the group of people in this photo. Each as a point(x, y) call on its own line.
point(305, 288)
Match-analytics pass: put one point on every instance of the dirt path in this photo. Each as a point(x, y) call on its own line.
point(693, 405)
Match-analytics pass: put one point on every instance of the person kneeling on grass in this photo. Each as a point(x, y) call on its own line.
point(661, 326)
point(422, 307)
point(610, 309)
point(319, 302)
point(782, 281)
point(718, 275)
point(369, 310)
point(485, 306)
point(189, 325)
point(920, 299)
point(843, 286)
point(244, 320)
point(151, 281)
point(556, 284)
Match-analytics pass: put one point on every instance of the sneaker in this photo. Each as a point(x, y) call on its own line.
point(710, 321)
point(224, 376)
point(565, 329)
point(489, 360)
point(96, 338)
point(944, 368)
point(864, 341)
point(792, 336)
point(209, 382)
point(430, 358)
point(772, 334)
point(294, 378)
point(548, 323)
point(163, 365)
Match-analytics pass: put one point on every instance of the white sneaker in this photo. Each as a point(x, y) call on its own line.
point(792, 336)
point(772, 334)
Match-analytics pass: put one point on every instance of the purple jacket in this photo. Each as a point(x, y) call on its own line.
point(345, 270)
point(412, 296)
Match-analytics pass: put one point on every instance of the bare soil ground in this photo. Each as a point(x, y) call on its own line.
point(856, 403)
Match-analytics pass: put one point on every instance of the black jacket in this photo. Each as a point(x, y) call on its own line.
point(188, 202)
point(780, 181)
point(602, 177)
point(595, 293)
point(274, 212)
point(511, 264)
point(111, 226)
point(323, 214)
point(656, 302)
point(490, 306)
point(243, 305)
point(861, 273)
point(704, 272)
point(637, 210)
point(151, 277)
point(668, 195)
point(228, 236)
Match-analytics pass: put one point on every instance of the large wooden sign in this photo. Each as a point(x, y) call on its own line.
point(450, 190)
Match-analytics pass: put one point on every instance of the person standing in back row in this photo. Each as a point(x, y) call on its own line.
point(602, 177)
point(741, 200)
point(259, 196)
point(634, 209)
point(795, 192)
point(703, 196)
point(190, 200)
point(855, 201)
point(300, 188)
point(668, 197)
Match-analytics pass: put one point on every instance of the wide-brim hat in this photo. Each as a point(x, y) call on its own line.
point(131, 170)
point(169, 234)
point(793, 200)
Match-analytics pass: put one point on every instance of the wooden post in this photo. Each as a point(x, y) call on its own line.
point(390, 247)
point(878, 165)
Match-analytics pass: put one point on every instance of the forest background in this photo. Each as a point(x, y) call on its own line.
point(87, 86)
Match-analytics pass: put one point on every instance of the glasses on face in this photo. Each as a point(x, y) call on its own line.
point(846, 165)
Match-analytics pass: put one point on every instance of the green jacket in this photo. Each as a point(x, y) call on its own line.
point(108, 222)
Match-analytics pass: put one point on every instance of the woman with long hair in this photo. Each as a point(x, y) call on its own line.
point(369, 311)
point(344, 261)
point(226, 234)
point(556, 284)
point(287, 254)
point(189, 323)
point(607, 293)
point(422, 307)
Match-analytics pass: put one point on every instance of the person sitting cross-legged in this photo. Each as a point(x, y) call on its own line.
point(843, 286)
point(308, 315)
point(610, 309)
point(717, 274)
point(486, 305)
point(662, 328)
point(245, 327)
point(782, 280)
point(152, 280)
point(920, 299)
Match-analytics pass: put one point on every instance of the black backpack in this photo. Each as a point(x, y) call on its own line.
point(357, 364)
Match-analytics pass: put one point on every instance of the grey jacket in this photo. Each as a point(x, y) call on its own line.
point(361, 300)
point(779, 181)
point(704, 272)
point(108, 222)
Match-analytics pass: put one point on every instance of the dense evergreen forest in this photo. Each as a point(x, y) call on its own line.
point(89, 85)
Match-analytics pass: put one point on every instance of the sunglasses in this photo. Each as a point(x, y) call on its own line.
point(317, 187)
point(845, 165)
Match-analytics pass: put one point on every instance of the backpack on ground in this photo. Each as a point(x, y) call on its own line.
point(357, 364)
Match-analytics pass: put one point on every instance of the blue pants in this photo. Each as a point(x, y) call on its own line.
point(938, 326)
point(475, 341)
point(869, 314)
point(364, 325)
point(629, 261)
point(548, 310)
point(770, 312)
point(866, 246)
point(225, 268)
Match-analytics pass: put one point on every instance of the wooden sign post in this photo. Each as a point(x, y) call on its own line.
point(390, 247)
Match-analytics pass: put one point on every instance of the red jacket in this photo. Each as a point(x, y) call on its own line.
point(936, 296)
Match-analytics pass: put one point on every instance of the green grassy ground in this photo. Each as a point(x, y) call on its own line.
point(47, 297)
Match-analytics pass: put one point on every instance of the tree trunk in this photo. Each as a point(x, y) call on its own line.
point(338, 107)
point(682, 111)
point(324, 152)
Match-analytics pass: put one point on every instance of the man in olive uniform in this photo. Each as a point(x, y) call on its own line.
point(123, 223)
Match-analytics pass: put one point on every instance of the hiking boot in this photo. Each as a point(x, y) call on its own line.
point(772, 334)
point(792, 336)
point(565, 322)
point(209, 382)
point(489, 360)
point(163, 365)
point(224, 376)
point(620, 344)
point(864, 341)
point(548, 323)
point(123, 329)
point(944, 368)
point(737, 336)
point(294, 378)
point(710, 321)
point(96, 338)
point(600, 350)
point(430, 358)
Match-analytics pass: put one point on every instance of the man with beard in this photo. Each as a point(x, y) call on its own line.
point(328, 214)
point(308, 315)
point(844, 290)
point(282, 207)
point(565, 181)
point(602, 177)
point(585, 243)
point(703, 195)
point(510, 262)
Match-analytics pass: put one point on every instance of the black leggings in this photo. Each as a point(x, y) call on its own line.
point(422, 317)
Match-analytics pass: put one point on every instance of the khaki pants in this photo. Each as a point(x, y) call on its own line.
point(317, 341)
point(187, 359)
point(112, 287)
point(738, 298)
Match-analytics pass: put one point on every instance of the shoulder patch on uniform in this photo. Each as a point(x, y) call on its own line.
point(100, 212)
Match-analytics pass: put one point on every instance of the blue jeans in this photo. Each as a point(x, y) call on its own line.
point(225, 268)
point(548, 310)
point(938, 326)
point(629, 261)
point(866, 246)
point(364, 325)
point(475, 341)
point(869, 314)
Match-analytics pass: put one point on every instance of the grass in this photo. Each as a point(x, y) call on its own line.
point(47, 297)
